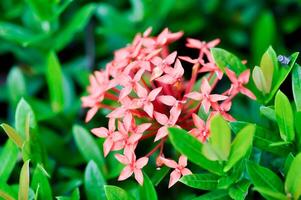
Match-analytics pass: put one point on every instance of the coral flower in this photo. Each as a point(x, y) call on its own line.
point(146, 91)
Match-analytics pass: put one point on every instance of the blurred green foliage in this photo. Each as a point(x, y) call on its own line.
point(47, 50)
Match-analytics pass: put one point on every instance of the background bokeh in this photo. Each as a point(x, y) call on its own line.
point(83, 34)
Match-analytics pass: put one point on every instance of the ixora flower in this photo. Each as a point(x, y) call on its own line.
point(145, 89)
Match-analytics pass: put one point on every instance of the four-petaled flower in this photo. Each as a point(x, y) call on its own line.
point(132, 166)
point(179, 169)
point(202, 130)
point(239, 82)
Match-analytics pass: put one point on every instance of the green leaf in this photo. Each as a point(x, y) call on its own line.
point(296, 85)
point(16, 85)
point(94, 182)
point(239, 191)
point(44, 11)
point(269, 66)
point(189, 146)
point(214, 195)
point(41, 184)
point(8, 156)
point(288, 161)
point(284, 117)
point(225, 59)
point(24, 118)
point(33, 150)
point(7, 192)
point(116, 193)
point(54, 77)
point(159, 175)
point(298, 129)
point(24, 182)
point(283, 72)
point(264, 34)
point(264, 178)
point(293, 178)
point(201, 181)
point(270, 195)
point(147, 191)
point(240, 146)
point(220, 137)
point(76, 24)
point(268, 112)
point(263, 138)
point(13, 135)
point(88, 147)
point(259, 80)
point(75, 195)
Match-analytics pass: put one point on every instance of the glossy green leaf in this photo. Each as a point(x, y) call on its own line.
point(75, 194)
point(16, 85)
point(270, 195)
point(264, 34)
point(8, 156)
point(240, 146)
point(159, 175)
point(214, 195)
point(116, 193)
point(293, 179)
point(13, 135)
point(298, 129)
point(7, 192)
point(88, 147)
point(201, 181)
point(94, 182)
point(55, 82)
point(24, 182)
point(220, 137)
point(283, 72)
point(296, 85)
point(269, 66)
point(259, 80)
point(264, 178)
point(239, 191)
point(225, 59)
point(268, 112)
point(41, 184)
point(24, 118)
point(147, 191)
point(284, 117)
point(188, 145)
point(288, 161)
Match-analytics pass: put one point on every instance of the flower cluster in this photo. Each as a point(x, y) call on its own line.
point(145, 90)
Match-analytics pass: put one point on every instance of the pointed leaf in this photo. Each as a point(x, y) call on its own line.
point(88, 147)
point(239, 191)
point(260, 80)
point(201, 181)
point(41, 184)
point(214, 195)
point(284, 116)
point(189, 146)
point(55, 82)
point(8, 156)
point(225, 59)
point(116, 193)
point(16, 85)
point(240, 146)
point(293, 179)
point(13, 135)
point(94, 182)
point(24, 182)
point(147, 191)
point(269, 66)
point(220, 137)
point(296, 85)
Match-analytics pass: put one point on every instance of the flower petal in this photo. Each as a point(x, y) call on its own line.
point(125, 173)
point(162, 132)
point(167, 100)
point(174, 177)
point(138, 176)
point(100, 132)
point(161, 118)
point(141, 162)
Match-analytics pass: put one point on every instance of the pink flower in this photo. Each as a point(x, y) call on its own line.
point(165, 122)
point(111, 135)
point(147, 99)
point(202, 130)
point(145, 91)
point(179, 169)
point(238, 83)
point(132, 166)
point(205, 96)
point(162, 65)
point(173, 75)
